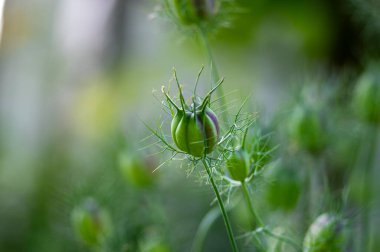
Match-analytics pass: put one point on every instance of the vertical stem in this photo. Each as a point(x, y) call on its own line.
point(222, 208)
point(214, 71)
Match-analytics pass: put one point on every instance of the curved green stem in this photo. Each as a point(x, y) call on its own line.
point(283, 239)
point(248, 201)
point(260, 222)
point(222, 208)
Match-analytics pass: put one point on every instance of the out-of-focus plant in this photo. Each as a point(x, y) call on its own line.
point(91, 223)
point(137, 170)
point(206, 15)
point(326, 233)
point(305, 129)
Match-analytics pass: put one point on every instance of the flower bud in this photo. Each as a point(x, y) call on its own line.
point(195, 132)
point(367, 99)
point(325, 234)
point(91, 223)
point(135, 170)
point(195, 128)
point(238, 165)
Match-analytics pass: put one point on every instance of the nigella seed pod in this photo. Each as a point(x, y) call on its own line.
point(195, 133)
point(325, 234)
point(91, 223)
point(195, 129)
point(238, 165)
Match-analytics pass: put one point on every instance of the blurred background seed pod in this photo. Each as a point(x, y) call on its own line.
point(193, 12)
point(326, 233)
point(91, 223)
point(305, 129)
point(137, 170)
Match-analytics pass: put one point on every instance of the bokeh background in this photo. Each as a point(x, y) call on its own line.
point(76, 81)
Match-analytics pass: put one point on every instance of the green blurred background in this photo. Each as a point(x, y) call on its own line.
point(76, 81)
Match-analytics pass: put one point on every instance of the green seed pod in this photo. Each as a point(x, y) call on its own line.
point(367, 99)
point(284, 187)
point(91, 223)
point(135, 170)
point(238, 165)
point(305, 129)
point(325, 234)
point(195, 128)
point(195, 133)
point(190, 12)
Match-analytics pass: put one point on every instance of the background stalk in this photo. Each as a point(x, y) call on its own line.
point(214, 71)
point(222, 208)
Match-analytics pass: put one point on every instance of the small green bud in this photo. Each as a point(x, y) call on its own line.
point(91, 223)
point(238, 165)
point(305, 129)
point(135, 170)
point(324, 234)
point(367, 98)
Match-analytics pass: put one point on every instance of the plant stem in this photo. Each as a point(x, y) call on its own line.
point(214, 70)
point(260, 222)
point(222, 208)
